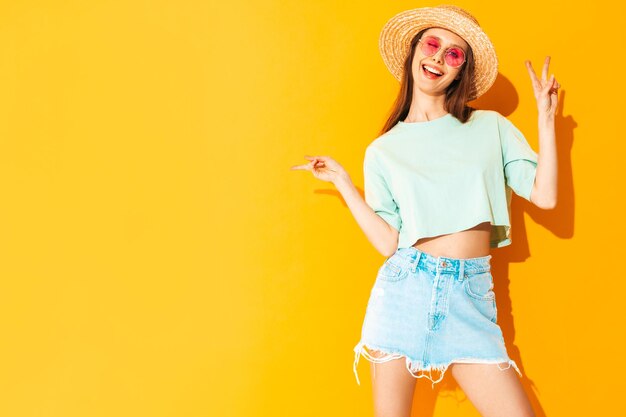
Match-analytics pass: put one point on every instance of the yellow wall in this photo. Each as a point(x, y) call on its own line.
point(159, 258)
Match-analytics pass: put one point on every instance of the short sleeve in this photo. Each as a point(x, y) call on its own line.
point(377, 193)
point(518, 158)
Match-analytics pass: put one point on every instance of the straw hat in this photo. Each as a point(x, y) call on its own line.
point(395, 41)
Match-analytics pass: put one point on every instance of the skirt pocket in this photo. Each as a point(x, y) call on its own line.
point(479, 288)
point(394, 269)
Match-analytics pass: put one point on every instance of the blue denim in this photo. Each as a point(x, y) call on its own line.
point(433, 311)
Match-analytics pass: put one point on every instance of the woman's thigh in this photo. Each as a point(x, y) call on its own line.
point(392, 387)
point(493, 390)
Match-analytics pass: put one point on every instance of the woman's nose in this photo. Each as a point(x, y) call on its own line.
point(439, 56)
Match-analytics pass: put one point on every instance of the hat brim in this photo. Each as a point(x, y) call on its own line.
point(395, 42)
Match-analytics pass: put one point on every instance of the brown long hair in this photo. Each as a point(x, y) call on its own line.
point(457, 94)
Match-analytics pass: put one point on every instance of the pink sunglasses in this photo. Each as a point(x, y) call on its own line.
point(454, 56)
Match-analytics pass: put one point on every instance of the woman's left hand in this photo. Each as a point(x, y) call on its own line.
point(546, 89)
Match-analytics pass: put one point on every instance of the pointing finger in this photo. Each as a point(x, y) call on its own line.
point(307, 166)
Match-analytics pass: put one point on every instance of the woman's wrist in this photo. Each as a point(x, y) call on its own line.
point(343, 181)
point(546, 119)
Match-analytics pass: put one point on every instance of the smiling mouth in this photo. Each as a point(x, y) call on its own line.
point(430, 74)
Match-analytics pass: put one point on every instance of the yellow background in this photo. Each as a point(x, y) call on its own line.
point(159, 258)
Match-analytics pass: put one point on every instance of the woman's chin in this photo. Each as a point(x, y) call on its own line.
point(431, 90)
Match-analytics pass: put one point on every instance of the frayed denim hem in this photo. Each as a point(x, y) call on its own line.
point(415, 366)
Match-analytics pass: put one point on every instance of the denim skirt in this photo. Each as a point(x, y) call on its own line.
point(432, 311)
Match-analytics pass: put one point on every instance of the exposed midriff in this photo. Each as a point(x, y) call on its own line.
point(469, 243)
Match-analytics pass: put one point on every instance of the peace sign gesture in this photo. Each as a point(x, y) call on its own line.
point(546, 89)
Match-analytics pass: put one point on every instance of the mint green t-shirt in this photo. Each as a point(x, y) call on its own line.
point(442, 176)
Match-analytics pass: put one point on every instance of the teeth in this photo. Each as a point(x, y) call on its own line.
point(430, 69)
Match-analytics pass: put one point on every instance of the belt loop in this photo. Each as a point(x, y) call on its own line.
point(461, 269)
point(418, 255)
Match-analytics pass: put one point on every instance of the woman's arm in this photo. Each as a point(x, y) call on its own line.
point(544, 192)
point(381, 234)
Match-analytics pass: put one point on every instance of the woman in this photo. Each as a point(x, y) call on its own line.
point(438, 183)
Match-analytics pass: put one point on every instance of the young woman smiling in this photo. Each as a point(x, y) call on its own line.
point(438, 187)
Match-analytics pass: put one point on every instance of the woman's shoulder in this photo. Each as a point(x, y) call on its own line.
point(485, 113)
point(487, 119)
point(389, 138)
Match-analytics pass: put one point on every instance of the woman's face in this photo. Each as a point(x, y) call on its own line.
point(424, 80)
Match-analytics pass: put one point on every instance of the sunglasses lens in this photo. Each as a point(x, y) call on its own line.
point(455, 57)
point(430, 46)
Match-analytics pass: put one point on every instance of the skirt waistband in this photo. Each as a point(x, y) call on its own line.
point(444, 264)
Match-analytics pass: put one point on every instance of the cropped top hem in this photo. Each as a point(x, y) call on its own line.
point(500, 234)
point(442, 176)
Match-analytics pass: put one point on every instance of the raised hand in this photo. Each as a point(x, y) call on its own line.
point(324, 168)
point(545, 89)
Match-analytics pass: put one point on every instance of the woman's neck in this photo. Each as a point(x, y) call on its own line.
point(425, 108)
